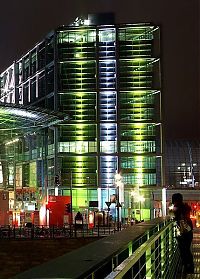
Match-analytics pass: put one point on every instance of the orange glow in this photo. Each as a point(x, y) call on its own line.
point(193, 217)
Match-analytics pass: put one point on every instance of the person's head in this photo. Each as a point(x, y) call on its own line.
point(177, 198)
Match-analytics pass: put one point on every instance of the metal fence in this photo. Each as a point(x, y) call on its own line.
point(157, 257)
point(44, 232)
point(144, 251)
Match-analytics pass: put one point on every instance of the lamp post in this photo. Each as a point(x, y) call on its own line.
point(141, 199)
point(137, 198)
point(119, 186)
point(132, 205)
point(69, 178)
point(108, 203)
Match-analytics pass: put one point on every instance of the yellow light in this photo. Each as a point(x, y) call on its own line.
point(78, 55)
point(80, 138)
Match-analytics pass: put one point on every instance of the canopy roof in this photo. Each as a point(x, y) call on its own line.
point(15, 119)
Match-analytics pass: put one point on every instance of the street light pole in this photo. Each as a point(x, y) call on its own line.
point(118, 183)
point(118, 208)
point(139, 199)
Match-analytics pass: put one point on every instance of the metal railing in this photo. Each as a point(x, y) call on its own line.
point(157, 257)
point(44, 232)
point(143, 251)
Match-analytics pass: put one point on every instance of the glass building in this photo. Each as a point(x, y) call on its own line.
point(105, 79)
point(182, 163)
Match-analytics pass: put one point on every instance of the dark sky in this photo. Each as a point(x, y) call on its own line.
point(25, 22)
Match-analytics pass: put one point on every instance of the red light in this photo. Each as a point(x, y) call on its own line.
point(195, 206)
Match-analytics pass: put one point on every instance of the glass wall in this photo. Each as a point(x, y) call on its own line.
point(107, 80)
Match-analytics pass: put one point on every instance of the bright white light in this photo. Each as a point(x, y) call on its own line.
point(1, 173)
point(118, 177)
point(86, 22)
point(137, 197)
point(31, 207)
point(164, 199)
point(120, 185)
point(18, 112)
point(141, 199)
point(12, 141)
point(132, 193)
point(99, 198)
point(24, 113)
point(56, 191)
point(109, 175)
point(43, 215)
point(108, 158)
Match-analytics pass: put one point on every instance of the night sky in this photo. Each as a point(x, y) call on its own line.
point(25, 22)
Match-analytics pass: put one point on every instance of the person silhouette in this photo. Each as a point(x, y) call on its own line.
point(181, 212)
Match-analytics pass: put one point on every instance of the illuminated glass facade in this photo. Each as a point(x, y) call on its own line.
point(106, 78)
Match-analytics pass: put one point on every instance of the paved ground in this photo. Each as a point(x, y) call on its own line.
point(19, 255)
point(196, 254)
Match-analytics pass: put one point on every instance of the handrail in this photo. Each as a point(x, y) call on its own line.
point(150, 243)
point(52, 232)
point(126, 265)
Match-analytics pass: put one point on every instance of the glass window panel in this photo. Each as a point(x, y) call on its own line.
point(107, 35)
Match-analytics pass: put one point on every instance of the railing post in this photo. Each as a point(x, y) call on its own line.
point(70, 230)
point(9, 232)
point(20, 231)
point(14, 232)
point(75, 229)
point(53, 232)
point(32, 231)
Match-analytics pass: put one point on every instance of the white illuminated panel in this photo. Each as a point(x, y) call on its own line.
point(99, 198)
point(8, 86)
point(164, 200)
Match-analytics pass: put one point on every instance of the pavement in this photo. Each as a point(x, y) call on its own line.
point(17, 256)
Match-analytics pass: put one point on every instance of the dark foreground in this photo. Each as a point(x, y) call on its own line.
point(19, 255)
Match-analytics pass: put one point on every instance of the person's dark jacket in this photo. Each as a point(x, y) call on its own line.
point(182, 212)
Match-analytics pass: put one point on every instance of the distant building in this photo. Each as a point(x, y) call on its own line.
point(182, 163)
point(106, 78)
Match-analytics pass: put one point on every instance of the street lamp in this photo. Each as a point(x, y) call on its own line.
point(69, 178)
point(137, 198)
point(108, 203)
point(120, 195)
point(140, 199)
point(132, 205)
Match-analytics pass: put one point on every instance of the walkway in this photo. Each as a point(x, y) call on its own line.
point(146, 250)
point(196, 253)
